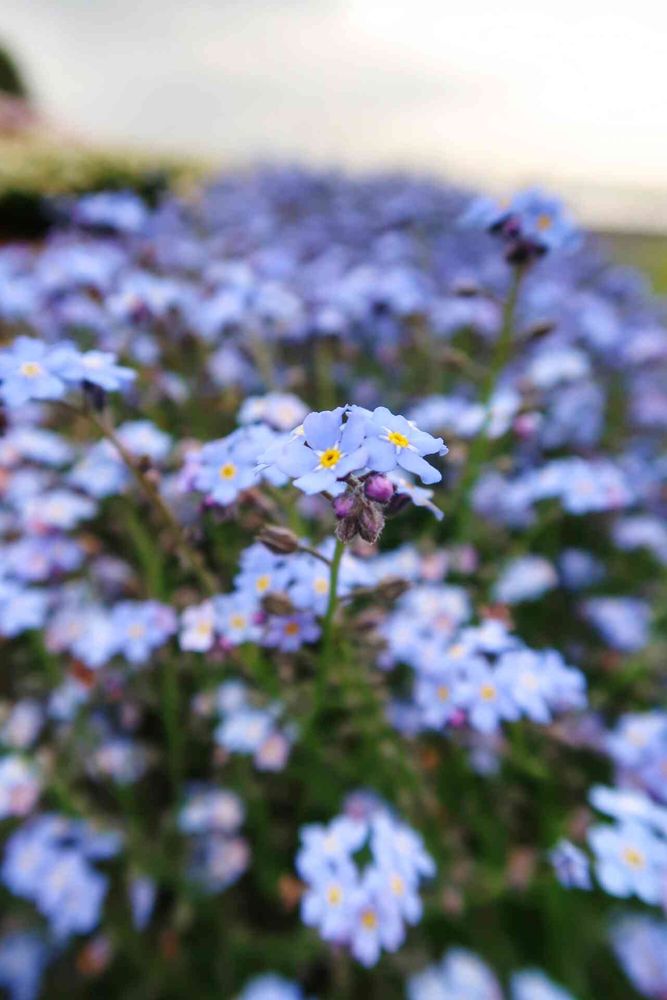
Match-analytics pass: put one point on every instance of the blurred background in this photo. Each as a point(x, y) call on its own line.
point(569, 94)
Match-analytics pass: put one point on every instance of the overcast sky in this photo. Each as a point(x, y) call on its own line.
point(571, 93)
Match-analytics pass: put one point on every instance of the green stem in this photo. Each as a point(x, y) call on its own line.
point(328, 626)
point(262, 355)
point(188, 556)
point(479, 448)
point(323, 364)
point(170, 718)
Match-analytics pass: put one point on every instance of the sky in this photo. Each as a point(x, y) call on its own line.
point(499, 94)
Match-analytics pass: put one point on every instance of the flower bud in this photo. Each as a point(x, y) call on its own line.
point(279, 540)
point(277, 603)
point(347, 528)
point(345, 505)
point(392, 588)
point(370, 522)
point(379, 488)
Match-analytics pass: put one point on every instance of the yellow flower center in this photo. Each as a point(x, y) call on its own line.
point(400, 440)
point(488, 692)
point(334, 895)
point(330, 458)
point(227, 471)
point(369, 919)
point(263, 583)
point(292, 628)
point(443, 692)
point(204, 628)
point(237, 621)
point(633, 857)
point(136, 631)
point(31, 369)
point(544, 221)
point(321, 585)
point(397, 885)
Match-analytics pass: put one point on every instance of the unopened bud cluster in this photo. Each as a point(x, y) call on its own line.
point(361, 510)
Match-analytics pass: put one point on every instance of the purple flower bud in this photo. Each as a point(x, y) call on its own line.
point(346, 529)
point(370, 522)
point(345, 505)
point(379, 488)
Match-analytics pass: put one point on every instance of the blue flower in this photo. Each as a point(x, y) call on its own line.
point(98, 368)
point(27, 371)
point(328, 901)
point(543, 220)
point(281, 410)
point(208, 810)
point(70, 894)
point(460, 974)
point(20, 785)
point(571, 865)
point(48, 861)
point(624, 622)
point(364, 909)
point(198, 627)
point(23, 958)
point(376, 923)
point(224, 468)
point(532, 218)
point(142, 892)
point(122, 211)
point(236, 618)
point(532, 984)
point(290, 632)
point(21, 608)
point(488, 699)
point(326, 450)
point(524, 579)
point(394, 442)
point(640, 944)
point(270, 987)
point(630, 860)
point(141, 627)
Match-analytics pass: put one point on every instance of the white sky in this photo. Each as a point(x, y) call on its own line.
point(571, 93)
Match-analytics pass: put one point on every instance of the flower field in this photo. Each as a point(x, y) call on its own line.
point(333, 599)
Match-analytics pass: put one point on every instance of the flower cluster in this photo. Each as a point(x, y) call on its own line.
point(364, 907)
point(204, 646)
point(461, 973)
point(641, 946)
point(211, 819)
point(50, 862)
point(479, 675)
point(248, 729)
point(31, 370)
point(529, 225)
point(329, 446)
